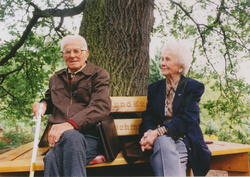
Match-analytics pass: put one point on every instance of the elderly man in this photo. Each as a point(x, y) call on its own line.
point(77, 98)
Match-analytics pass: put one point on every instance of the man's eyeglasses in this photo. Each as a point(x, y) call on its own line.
point(77, 52)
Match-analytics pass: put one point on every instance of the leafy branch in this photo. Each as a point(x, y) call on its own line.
point(201, 33)
point(37, 14)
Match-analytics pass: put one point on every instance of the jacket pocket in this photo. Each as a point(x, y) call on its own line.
point(83, 93)
point(58, 93)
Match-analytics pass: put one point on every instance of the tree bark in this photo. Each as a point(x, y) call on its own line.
point(118, 37)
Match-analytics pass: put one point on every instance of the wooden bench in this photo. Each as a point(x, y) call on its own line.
point(226, 156)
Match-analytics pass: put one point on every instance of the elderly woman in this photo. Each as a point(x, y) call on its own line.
point(170, 124)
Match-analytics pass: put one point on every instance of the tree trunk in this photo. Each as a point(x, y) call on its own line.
point(118, 36)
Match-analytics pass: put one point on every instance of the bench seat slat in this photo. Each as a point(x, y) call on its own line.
point(13, 154)
point(223, 148)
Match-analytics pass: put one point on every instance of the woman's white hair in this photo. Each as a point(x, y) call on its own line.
point(181, 53)
point(74, 37)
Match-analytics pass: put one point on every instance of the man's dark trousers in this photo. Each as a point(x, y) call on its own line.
point(71, 155)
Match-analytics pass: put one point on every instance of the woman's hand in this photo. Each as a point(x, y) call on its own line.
point(148, 140)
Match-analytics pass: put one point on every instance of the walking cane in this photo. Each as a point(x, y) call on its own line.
point(35, 145)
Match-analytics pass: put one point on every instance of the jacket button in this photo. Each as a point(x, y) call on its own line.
point(189, 149)
point(184, 136)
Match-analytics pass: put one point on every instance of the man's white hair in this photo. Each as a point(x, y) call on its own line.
point(181, 53)
point(74, 37)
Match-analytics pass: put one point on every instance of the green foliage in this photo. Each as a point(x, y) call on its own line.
point(35, 62)
point(228, 114)
point(16, 138)
point(155, 68)
point(154, 71)
point(225, 114)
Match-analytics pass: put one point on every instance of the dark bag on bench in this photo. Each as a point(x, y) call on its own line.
point(132, 152)
point(109, 138)
point(132, 149)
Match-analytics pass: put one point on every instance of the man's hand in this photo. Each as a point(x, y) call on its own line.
point(56, 132)
point(148, 140)
point(36, 107)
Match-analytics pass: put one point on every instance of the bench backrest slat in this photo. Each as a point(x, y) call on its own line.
point(128, 104)
point(127, 127)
